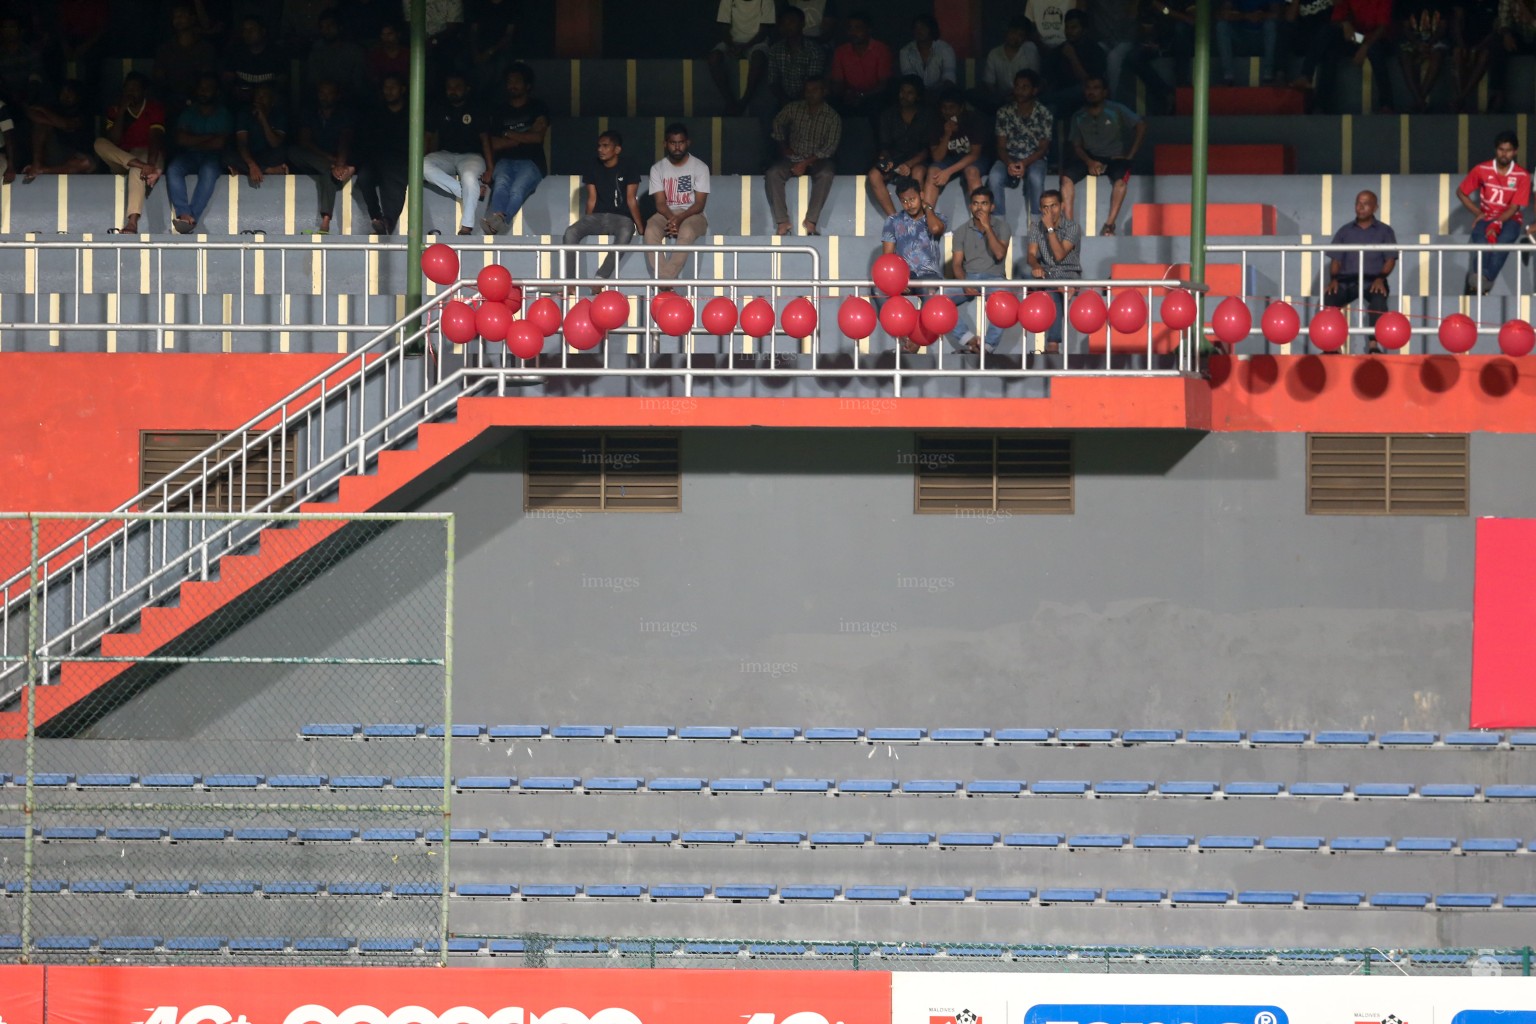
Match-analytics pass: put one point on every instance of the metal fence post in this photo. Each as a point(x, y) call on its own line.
point(1367, 962)
point(1525, 962)
point(442, 949)
point(28, 838)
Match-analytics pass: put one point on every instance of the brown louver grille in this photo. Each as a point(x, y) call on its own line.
point(603, 473)
point(1016, 474)
point(1388, 474)
point(237, 487)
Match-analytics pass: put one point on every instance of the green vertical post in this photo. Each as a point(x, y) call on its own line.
point(1525, 961)
point(416, 154)
point(1200, 137)
point(28, 813)
point(450, 559)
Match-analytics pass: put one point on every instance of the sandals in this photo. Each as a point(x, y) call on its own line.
point(1107, 230)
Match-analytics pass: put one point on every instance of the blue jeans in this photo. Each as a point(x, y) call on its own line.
point(994, 334)
point(1263, 36)
point(512, 182)
point(1032, 185)
point(201, 162)
point(1493, 262)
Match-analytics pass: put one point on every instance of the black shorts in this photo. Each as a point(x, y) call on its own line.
point(1116, 169)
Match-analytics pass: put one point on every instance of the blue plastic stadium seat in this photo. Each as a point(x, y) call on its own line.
point(327, 835)
point(1466, 900)
point(1123, 787)
point(1133, 895)
point(1034, 839)
point(291, 888)
point(551, 891)
point(1201, 896)
point(1228, 842)
point(390, 835)
point(822, 733)
point(642, 732)
point(137, 832)
point(455, 835)
point(464, 945)
point(802, 786)
point(776, 948)
point(738, 785)
point(688, 891)
point(1332, 899)
point(1438, 958)
point(1373, 844)
point(359, 781)
point(1407, 739)
point(995, 787)
point(830, 838)
point(1022, 735)
point(1163, 842)
point(327, 730)
point(355, 888)
point(1004, 894)
point(1510, 792)
point(958, 735)
point(104, 780)
point(72, 832)
point(459, 730)
point(40, 885)
point(744, 892)
point(367, 946)
point(770, 732)
point(1520, 901)
point(295, 781)
point(129, 943)
point(164, 887)
point(500, 890)
point(1342, 738)
point(517, 732)
point(976, 952)
point(1097, 841)
point(1522, 739)
point(1426, 844)
point(1287, 737)
point(1213, 736)
point(909, 950)
point(643, 835)
point(1415, 900)
point(1453, 790)
point(232, 781)
point(419, 782)
point(1319, 788)
point(711, 948)
point(1253, 788)
point(581, 836)
point(1059, 787)
point(579, 946)
point(775, 838)
point(1472, 738)
point(195, 943)
point(52, 780)
point(263, 834)
point(903, 838)
point(323, 944)
point(1150, 736)
point(939, 894)
point(227, 887)
point(554, 783)
point(706, 732)
point(1490, 844)
point(1068, 895)
point(169, 780)
point(608, 891)
point(875, 893)
point(1294, 843)
point(1267, 897)
point(839, 949)
point(99, 886)
point(968, 838)
point(13, 831)
point(1190, 787)
point(498, 947)
point(896, 734)
point(710, 837)
point(809, 892)
point(675, 785)
point(941, 786)
point(579, 732)
point(613, 784)
point(432, 889)
point(883, 786)
point(1085, 735)
point(10, 941)
point(392, 731)
point(65, 943)
point(1383, 789)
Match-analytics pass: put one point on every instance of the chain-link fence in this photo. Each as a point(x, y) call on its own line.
point(157, 798)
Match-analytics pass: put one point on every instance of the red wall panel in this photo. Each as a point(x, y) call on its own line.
point(1503, 609)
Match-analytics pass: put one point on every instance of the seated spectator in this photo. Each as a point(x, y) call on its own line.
point(1049, 20)
point(1164, 31)
point(1016, 53)
point(915, 234)
point(61, 135)
point(1475, 42)
point(960, 149)
point(1424, 39)
point(861, 71)
point(325, 149)
point(1025, 128)
point(254, 61)
point(820, 19)
point(516, 143)
point(1115, 24)
point(927, 56)
point(906, 130)
point(745, 27)
point(21, 65)
point(1503, 190)
point(807, 132)
point(492, 31)
point(1308, 31)
point(202, 132)
point(1097, 136)
point(134, 144)
point(1249, 27)
point(182, 58)
point(456, 160)
point(679, 184)
point(981, 254)
point(1349, 269)
point(1078, 59)
point(390, 55)
point(385, 147)
point(334, 58)
point(1052, 255)
point(261, 138)
point(610, 191)
point(1369, 21)
point(793, 59)
point(81, 28)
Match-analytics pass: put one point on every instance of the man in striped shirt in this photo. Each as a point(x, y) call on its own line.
point(807, 131)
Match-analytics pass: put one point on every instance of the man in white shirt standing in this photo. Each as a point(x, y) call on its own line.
point(745, 27)
point(680, 185)
point(1016, 53)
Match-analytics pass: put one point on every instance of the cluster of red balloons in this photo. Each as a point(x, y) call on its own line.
point(673, 316)
point(900, 317)
point(1329, 329)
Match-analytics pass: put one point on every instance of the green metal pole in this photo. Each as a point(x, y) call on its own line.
point(451, 558)
point(29, 812)
point(1200, 137)
point(416, 154)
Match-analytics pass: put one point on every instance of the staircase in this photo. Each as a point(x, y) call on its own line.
point(130, 588)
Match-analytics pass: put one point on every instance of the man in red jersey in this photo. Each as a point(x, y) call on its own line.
point(1502, 189)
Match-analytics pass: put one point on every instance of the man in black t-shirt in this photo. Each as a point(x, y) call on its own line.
point(515, 141)
point(610, 202)
point(456, 150)
point(386, 147)
point(959, 147)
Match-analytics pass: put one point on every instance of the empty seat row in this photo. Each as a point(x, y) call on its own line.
point(185, 944)
point(828, 787)
point(913, 734)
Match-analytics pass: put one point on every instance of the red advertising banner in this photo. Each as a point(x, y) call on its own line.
point(382, 995)
point(21, 995)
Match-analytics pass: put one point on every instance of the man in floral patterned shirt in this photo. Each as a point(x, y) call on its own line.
point(1024, 129)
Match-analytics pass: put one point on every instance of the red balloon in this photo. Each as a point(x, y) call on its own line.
point(1128, 313)
point(1280, 323)
point(891, 274)
point(580, 332)
point(757, 318)
point(1516, 338)
point(921, 336)
point(458, 323)
point(799, 319)
point(856, 317)
point(545, 315)
point(719, 315)
point(1002, 309)
point(898, 317)
point(610, 310)
point(492, 320)
point(1458, 333)
point(524, 340)
point(1232, 321)
point(1087, 312)
point(1393, 330)
point(674, 317)
point(939, 315)
point(495, 283)
point(1037, 312)
point(440, 264)
point(514, 300)
point(1328, 329)
point(1179, 310)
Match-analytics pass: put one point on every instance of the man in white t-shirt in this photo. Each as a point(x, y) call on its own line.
point(745, 27)
point(680, 185)
point(1050, 18)
point(820, 18)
